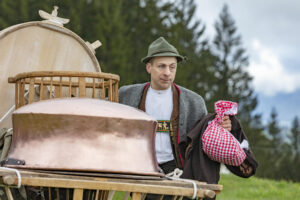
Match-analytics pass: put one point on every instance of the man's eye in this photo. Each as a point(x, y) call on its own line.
point(161, 66)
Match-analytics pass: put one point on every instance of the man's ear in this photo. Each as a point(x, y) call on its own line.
point(148, 68)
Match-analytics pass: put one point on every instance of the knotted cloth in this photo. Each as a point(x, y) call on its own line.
point(218, 143)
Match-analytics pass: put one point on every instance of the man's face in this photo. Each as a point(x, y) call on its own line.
point(162, 71)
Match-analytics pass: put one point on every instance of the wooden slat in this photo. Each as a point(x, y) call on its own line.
point(60, 87)
point(70, 86)
point(110, 91)
point(164, 187)
point(105, 194)
point(104, 185)
point(31, 91)
point(49, 193)
point(42, 88)
point(68, 194)
point(101, 196)
point(78, 194)
point(126, 196)
point(103, 90)
point(94, 92)
point(128, 179)
point(8, 193)
point(45, 93)
point(81, 81)
point(91, 194)
point(113, 92)
point(144, 196)
point(111, 194)
point(180, 197)
point(74, 92)
point(136, 196)
point(57, 193)
point(56, 92)
point(51, 85)
point(116, 92)
point(97, 195)
point(21, 94)
point(174, 197)
point(17, 86)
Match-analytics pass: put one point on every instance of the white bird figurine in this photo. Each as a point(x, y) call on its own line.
point(52, 18)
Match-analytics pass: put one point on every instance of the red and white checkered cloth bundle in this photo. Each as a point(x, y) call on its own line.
point(219, 144)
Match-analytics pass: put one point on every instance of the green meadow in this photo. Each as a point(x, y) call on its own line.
point(236, 188)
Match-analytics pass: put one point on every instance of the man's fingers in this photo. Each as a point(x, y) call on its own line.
point(249, 171)
point(243, 165)
point(246, 169)
point(225, 118)
point(225, 123)
point(242, 169)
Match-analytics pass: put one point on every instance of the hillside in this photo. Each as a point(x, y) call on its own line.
point(236, 188)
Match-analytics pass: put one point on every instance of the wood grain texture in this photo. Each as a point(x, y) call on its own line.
point(41, 85)
point(162, 187)
point(35, 46)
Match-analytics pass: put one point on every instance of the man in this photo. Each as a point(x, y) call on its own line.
point(176, 108)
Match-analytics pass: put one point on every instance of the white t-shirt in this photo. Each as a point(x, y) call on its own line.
point(159, 104)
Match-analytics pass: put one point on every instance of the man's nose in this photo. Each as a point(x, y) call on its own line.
point(167, 71)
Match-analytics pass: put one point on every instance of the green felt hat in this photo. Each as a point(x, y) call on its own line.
point(161, 47)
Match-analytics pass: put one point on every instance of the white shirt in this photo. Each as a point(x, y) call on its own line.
point(159, 104)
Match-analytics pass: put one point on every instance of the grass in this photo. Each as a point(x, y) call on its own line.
point(236, 188)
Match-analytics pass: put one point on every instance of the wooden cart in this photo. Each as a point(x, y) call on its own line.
point(53, 84)
point(105, 187)
point(83, 79)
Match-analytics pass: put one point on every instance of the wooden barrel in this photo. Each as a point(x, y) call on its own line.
point(39, 46)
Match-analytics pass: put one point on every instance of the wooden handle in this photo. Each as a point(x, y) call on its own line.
point(11, 80)
point(8, 180)
point(96, 44)
point(209, 193)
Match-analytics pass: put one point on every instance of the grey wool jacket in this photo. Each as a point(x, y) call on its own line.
point(191, 105)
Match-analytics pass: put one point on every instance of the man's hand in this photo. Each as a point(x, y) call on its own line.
point(246, 169)
point(226, 123)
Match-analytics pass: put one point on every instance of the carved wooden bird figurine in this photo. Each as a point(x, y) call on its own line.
point(53, 17)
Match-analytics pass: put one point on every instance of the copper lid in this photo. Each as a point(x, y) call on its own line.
point(78, 134)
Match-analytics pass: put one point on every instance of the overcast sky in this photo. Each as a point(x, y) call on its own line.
point(270, 31)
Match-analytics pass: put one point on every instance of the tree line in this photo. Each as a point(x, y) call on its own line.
point(216, 68)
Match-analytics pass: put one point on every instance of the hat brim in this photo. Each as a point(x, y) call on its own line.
point(165, 54)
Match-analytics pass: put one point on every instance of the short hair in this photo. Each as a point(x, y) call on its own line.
point(151, 61)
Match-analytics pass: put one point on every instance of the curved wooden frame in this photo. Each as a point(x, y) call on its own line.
point(52, 27)
point(41, 85)
point(104, 187)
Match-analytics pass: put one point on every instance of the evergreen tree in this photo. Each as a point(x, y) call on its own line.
point(285, 169)
point(13, 12)
point(46, 5)
point(145, 23)
point(260, 145)
point(274, 131)
point(232, 81)
point(295, 137)
point(295, 149)
point(109, 26)
point(275, 152)
point(187, 34)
